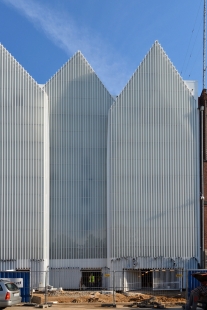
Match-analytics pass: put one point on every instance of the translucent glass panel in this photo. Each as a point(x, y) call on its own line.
point(153, 164)
point(78, 104)
point(21, 162)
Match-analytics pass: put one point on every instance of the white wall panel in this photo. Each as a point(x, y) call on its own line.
point(78, 105)
point(24, 170)
point(153, 166)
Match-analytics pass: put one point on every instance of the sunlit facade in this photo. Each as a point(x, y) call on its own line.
point(79, 105)
point(153, 169)
point(88, 181)
point(24, 168)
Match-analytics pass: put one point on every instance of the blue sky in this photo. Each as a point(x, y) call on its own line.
point(113, 35)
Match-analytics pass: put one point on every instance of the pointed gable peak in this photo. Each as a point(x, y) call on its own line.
point(77, 66)
point(77, 58)
point(158, 48)
point(80, 55)
point(157, 43)
point(77, 54)
point(155, 57)
point(156, 73)
point(14, 62)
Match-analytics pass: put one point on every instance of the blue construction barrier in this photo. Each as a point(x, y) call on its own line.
point(192, 282)
point(21, 279)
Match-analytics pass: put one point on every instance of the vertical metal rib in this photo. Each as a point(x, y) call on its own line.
point(22, 140)
point(153, 154)
point(79, 105)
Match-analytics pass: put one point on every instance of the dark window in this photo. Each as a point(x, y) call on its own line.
point(146, 278)
point(11, 287)
point(91, 280)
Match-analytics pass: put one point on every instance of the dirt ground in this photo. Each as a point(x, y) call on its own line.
point(99, 297)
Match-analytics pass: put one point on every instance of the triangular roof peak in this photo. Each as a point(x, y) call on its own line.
point(77, 55)
point(80, 58)
point(3, 49)
point(156, 73)
point(156, 50)
point(157, 45)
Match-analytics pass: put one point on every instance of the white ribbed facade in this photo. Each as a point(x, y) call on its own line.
point(24, 167)
point(79, 105)
point(90, 182)
point(153, 169)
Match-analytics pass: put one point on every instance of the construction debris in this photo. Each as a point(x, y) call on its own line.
point(131, 298)
point(148, 303)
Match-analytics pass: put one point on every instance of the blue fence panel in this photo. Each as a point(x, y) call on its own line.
point(192, 282)
point(23, 283)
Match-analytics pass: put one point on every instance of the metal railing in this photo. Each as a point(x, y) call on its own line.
point(74, 283)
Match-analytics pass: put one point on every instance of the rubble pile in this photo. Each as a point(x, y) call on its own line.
point(99, 297)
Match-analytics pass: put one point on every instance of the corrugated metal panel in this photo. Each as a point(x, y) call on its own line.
point(78, 105)
point(22, 166)
point(144, 262)
point(67, 278)
point(24, 277)
point(153, 167)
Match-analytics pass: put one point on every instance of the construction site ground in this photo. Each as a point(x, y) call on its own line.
point(100, 298)
point(81, 307)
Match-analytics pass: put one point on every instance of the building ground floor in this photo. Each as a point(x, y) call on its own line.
point(106, 274)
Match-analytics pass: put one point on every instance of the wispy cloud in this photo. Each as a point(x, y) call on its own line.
point(65, 33)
